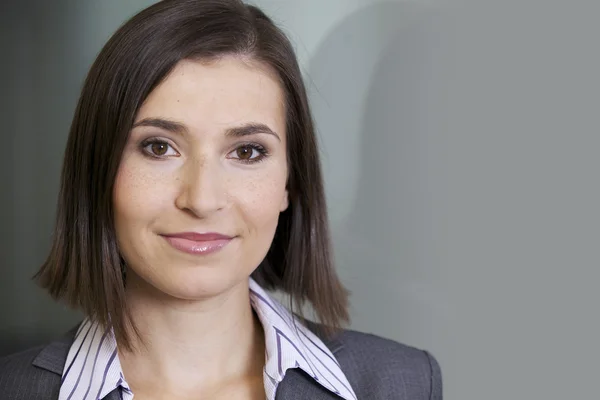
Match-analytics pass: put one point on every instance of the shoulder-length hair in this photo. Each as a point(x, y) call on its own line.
point(84, 267)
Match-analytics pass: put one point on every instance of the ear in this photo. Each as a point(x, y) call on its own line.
point(285, 202)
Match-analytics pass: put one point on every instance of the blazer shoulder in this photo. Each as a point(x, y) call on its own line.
point(380, 368)
point(21, 379)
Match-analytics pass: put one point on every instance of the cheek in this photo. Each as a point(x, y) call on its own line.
point(259, 199)
point(138, 195)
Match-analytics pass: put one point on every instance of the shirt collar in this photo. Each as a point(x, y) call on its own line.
point(92, 368)
point(290, 344)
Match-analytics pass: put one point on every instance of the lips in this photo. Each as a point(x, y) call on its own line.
point(198, 243)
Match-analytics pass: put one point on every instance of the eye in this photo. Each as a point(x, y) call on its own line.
point(158, 148)
point(249, 153)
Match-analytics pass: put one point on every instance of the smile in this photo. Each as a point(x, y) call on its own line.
point(198, 243)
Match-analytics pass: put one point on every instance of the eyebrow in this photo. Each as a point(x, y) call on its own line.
point(250, 128)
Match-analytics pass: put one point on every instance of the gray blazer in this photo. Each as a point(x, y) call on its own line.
point(377, 368)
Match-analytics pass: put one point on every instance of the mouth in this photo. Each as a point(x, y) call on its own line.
point(198, 243)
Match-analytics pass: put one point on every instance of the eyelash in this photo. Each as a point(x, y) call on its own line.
point(263, 152)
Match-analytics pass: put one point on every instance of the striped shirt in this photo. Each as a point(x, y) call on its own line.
point(93, 370)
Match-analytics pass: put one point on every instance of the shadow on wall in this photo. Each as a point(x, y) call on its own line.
point(383, 164)
point(43, 79)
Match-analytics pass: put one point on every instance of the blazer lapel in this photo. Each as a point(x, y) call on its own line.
point(114, 395)
point(53, 357)
point(297, 385)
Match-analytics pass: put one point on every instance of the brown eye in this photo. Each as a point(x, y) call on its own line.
point(159, 149)
point(244, 152)
point(249, 153)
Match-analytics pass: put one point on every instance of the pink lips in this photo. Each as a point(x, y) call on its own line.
point(198, 243)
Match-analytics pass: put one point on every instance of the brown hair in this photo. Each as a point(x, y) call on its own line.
point(84, 267)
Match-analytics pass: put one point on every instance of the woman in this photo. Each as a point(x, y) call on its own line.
point(191, 183)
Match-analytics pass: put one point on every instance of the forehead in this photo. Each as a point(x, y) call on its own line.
point(221, 93)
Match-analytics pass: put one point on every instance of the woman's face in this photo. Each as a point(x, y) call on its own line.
point(203, 178)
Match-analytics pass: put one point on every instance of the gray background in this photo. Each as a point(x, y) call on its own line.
point(460, 142)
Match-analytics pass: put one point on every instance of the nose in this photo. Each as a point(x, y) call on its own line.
point(202, 190)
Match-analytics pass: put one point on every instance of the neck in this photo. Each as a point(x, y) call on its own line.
point(192, 345)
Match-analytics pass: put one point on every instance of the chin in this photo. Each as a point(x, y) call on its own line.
point(200, 283)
